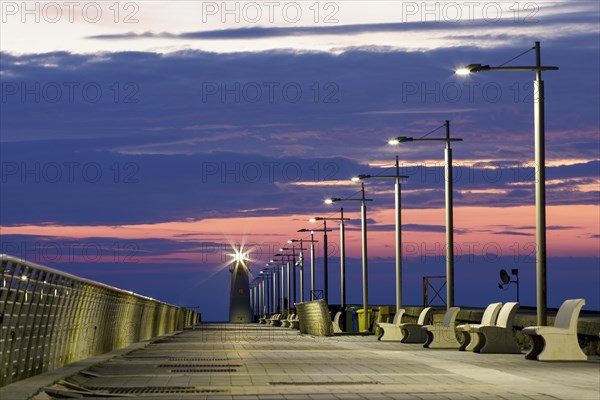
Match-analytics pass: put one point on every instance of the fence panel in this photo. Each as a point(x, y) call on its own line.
point(49, 318)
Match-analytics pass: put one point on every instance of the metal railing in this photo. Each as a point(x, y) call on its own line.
point(428, 284)
point(49, 318)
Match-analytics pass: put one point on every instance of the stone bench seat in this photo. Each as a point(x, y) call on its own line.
point(411, 332)
point(490, 315)
point(390, 331)
point(558, 342)
point(443, 336)
point(498, 338)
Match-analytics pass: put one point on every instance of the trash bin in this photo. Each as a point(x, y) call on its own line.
point(349, 321)
point(361, 319)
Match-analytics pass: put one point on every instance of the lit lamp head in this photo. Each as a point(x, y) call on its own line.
point(400, 139)
point(360, 177)
point(332, 200)
point(467, 69)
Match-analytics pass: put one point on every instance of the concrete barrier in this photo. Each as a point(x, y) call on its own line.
point(49, 318)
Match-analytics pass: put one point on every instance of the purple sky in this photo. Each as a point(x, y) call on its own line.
point(135, 153)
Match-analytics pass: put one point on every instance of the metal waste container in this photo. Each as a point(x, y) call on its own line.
point(361, 319)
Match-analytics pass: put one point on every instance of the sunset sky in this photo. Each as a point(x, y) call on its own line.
point(141, 140)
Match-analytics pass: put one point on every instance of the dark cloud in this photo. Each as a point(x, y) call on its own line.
point(424, 228)
point(355, 29)
point(52, 249)
point(514, 233)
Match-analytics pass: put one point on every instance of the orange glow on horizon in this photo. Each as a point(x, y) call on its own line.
point(578, 225)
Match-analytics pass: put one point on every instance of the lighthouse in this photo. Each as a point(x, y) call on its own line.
point(239, 297)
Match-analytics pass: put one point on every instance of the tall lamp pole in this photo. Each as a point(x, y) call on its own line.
point(273, 269)
point(449, 206)
point(288, 283)
point(342, 251)
point(540, 170)
point(282, 263)
point(312, 260)
point(398, 215)
point(363, 218)
point(301, 263)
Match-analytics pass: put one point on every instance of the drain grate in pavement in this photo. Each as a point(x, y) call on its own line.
point(196, 359)
point(203, 370)
point(143, 357)
point(336, 383)
point(199, 366)
point(154, 390)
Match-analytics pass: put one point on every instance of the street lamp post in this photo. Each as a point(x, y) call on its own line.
point(279, 267)
point(272, 268)
point(261, 294)
point(312, 257)
point(540, 172)
point(283, 281)
point(342, 253)
point(288, 283)
point(449, 206)
point(255, 296)
point(363, 218)
point(264, 292)
point(301, 262)
point(398, 216)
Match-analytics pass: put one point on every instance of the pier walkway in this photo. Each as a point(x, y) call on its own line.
point(228, 361)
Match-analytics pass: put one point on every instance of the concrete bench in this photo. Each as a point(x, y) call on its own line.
point(498, 338)
point(380, 319)
point(295, 322)
point(558, 342)
point(443, 336)
point(391, 332)
point(490, 315)
point(412, 333)
point(336, 322)
point(287, 322)
point(276, 320)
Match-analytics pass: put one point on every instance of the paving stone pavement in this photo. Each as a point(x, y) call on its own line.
point(227, 361)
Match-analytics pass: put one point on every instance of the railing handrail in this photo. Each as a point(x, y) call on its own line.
point(50, 318)
point(31, 264)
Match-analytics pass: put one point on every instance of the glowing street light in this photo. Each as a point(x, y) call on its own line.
point(272, 267)
point(342, 255)
point(301, 263)
point(398, 189)
point(540, 164)
point(449, 205)
point(280, 262)
point(312, 260)
point(288, 284)
point(325, 259)
point(363, 218)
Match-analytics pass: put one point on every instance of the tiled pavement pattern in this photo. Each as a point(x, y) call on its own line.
point(222, 361)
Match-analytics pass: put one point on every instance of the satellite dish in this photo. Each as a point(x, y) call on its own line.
point(504, 277)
